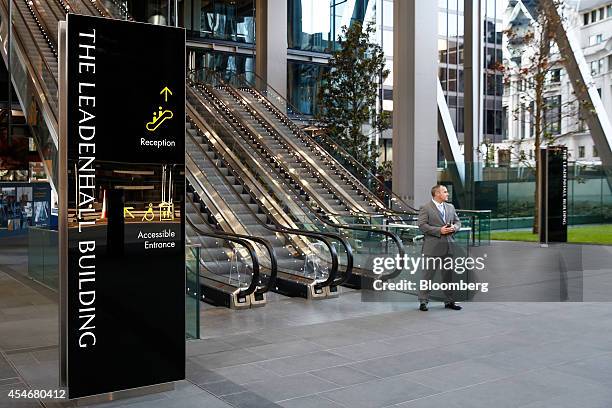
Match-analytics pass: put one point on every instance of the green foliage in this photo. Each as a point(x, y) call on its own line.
point(348, 94)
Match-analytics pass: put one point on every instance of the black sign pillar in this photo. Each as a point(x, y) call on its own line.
point(553, 194)
point(122, 248)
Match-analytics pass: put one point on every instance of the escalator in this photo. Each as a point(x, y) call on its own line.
point(232, 273)
point(224, 130)
point(284, 138)
point(338, 187)
point(307, 262)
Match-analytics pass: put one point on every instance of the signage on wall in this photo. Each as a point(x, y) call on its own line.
point(554, 194)
point(123, 250)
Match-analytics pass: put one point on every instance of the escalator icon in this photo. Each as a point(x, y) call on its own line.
point(159, 117)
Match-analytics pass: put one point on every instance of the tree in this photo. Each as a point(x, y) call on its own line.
point(530, 77)
point(349, 92)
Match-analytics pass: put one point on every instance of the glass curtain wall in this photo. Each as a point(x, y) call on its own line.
point(303, 80)
point(451, 61)
point(450, 53)
point(227, 64)
point(493, 79)
point(225, 20)
point(314, 25)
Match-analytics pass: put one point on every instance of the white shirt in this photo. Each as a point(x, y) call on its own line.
point(440, 207)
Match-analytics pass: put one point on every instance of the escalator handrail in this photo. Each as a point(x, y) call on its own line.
point(273, 261)
point(42, 25)
point(334, 143)
point(334, 254)
point(252, 253)
point(67, 8)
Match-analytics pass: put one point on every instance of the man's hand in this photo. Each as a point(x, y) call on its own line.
point(447, 230)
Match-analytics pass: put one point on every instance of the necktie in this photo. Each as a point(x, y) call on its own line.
point(443, 213)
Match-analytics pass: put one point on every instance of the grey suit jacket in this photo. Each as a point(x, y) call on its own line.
point(430, 222)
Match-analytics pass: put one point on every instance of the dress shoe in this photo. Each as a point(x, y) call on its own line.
point(452, 305)
point(423, 307)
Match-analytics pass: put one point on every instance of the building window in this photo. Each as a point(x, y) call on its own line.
point(585, 18)
point(593, 16)
point(581, 152)
point(552, 115)
point(596, 39)
point(314, 25)
point(521, 129)
point(531, 119)
point(609, 10)
point(595, 154)
point(303, 81)
point(228, 65)
point(229, 20)
point(597, 67)
point(602, 13)
point(554, 76)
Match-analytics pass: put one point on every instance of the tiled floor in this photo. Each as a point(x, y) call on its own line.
point(346, 353)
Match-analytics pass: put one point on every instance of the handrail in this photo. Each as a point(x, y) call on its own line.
point(387, 234)
point(336, 145)
point(273, 261)
point(334, 255)
point(93, 4)
point(40, 22)
point(67, 8)
point(255, 278)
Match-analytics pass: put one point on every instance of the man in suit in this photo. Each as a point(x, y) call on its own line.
point(439, 222)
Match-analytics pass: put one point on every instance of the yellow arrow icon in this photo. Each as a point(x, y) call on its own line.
point(165, 92)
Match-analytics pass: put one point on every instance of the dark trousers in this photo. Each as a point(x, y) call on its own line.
point(429, 272)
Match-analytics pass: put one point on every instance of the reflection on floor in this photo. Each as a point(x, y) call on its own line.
point(343, 353)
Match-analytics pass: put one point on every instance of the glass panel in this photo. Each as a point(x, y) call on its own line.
point(314, 25)
point(43, 256)
point(303, 85)
point(227, 20)
point(192, 291)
